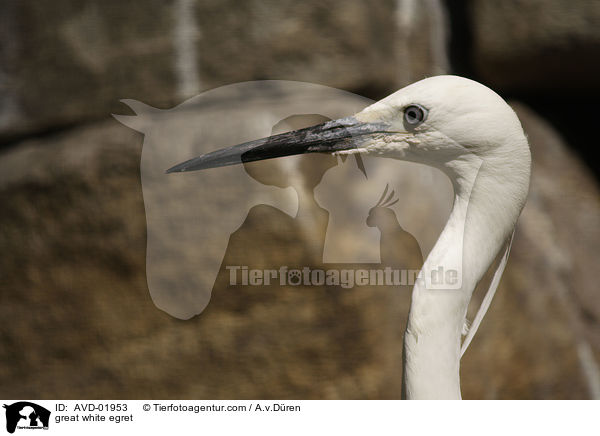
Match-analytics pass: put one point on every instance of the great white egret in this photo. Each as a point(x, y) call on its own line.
point(468, 132)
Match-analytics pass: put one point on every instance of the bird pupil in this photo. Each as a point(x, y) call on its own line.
point(414, 115)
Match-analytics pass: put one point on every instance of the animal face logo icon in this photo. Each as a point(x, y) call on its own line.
point(26, 415)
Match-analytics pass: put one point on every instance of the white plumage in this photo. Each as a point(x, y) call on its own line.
point(476, 139)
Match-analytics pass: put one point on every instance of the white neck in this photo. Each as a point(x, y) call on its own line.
point(473, 235)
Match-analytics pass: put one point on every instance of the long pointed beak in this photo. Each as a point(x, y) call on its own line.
point(329, 137)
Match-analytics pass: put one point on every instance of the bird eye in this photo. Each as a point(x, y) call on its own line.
point(414, 115)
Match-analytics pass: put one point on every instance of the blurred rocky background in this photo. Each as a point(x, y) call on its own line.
point(78, 321)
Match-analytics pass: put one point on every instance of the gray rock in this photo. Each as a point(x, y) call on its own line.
point(537, 46)
point(67, 62)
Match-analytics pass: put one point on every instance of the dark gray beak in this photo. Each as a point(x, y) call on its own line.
point(329, 137)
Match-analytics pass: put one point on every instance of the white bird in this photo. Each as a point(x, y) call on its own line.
point(471, 134)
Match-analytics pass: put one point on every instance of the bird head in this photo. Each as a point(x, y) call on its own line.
point(440, 121)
